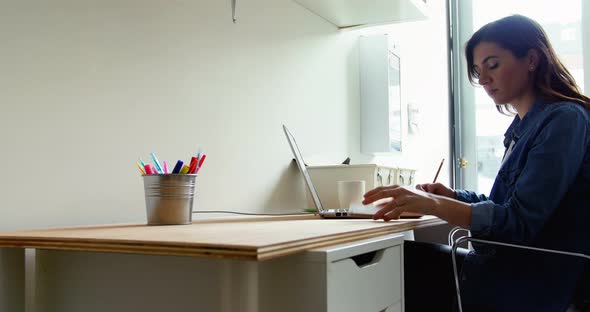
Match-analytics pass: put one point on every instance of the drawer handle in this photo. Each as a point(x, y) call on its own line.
point(367, 259)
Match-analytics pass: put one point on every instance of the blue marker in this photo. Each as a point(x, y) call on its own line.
point(142, 163)
point(157, 164)
point(178, 166)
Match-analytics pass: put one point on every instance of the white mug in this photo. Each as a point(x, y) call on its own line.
point(350, 193)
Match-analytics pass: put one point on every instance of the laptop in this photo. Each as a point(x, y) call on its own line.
point(354, 213)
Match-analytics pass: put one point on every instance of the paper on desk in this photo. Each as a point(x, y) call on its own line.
point(363, 209)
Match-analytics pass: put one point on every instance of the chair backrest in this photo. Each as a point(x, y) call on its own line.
point(582, 297)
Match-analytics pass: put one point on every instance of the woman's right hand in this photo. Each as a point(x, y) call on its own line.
point(438, 189)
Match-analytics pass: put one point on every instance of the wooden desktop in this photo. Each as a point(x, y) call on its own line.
point(220, 264)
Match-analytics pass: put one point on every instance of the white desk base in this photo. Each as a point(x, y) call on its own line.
point(324, 279)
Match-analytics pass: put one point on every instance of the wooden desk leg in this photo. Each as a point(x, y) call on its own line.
point(12, 279)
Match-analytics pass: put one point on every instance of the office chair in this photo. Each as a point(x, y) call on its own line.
point(454, 231)
point(468, 239)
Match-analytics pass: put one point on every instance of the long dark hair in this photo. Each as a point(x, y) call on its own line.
point(519, 34)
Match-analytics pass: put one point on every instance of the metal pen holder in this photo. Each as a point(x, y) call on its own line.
point(169, 198)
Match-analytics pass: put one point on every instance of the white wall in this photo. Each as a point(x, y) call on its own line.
point(87, 87)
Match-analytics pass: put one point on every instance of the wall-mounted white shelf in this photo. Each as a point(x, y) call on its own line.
point(349, 13)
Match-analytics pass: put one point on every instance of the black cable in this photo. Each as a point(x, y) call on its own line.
point(254, 214)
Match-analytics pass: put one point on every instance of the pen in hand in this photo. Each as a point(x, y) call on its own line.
point(438, 171)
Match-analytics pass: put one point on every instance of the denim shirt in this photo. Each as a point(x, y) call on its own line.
point(541, 198)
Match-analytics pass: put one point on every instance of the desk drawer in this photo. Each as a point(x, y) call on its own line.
point(365, 276)
point(372, 286)
point(362, 276)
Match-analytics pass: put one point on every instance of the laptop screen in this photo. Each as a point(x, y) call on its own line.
point(303, 170)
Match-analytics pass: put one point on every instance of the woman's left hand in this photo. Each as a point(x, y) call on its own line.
point(402, 199)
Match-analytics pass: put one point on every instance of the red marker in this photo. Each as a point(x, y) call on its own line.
point(193, 166)
point(201, 163)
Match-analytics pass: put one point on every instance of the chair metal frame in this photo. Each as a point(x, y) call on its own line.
point(483, 241)
point(453, 232)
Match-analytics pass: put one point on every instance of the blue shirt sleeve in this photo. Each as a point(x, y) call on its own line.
point(482, 210)
point(482, 216)
point(552, 164)
point(469, 197)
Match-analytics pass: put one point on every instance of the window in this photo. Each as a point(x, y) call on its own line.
point(481, 127)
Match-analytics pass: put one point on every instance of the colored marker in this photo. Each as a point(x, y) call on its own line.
point(139, 167)
point(149, 169)
point(193, 166)
point(141, 163)
point(157, 163)
point(184, 169)
point(165, 167)
point(201, 161)
point(177, 167)
point(198, 159)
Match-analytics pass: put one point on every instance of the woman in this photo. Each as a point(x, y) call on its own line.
point(541, 195)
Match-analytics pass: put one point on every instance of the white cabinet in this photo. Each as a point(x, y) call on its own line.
point(361, 276)
point(347, 13)
point(380, 91)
